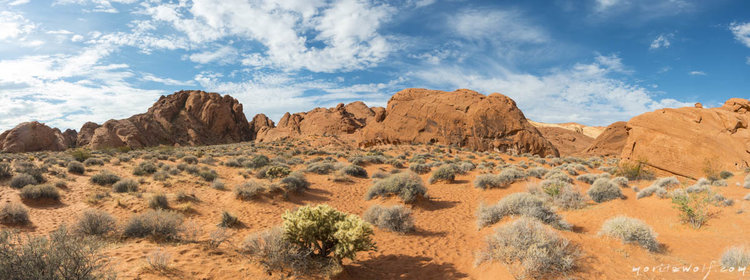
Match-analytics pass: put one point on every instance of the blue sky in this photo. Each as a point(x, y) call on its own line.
point(65, 62)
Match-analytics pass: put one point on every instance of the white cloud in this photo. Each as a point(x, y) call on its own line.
point(697, 73)
point(166, 81)
point(741, 32)
point(76, 38)
point(661, 41)
point(583, 93)
point(504, 25)
point(18, 2)
point(103, 6)
point(14, 25)
point(747, 60)
point(223, 55)
point(640, 10)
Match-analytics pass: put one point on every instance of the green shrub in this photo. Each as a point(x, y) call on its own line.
point(21, 180)
point(76, 168)
point(735, 257)
point(125, 185)
point(519, 204)
point(158, 201)
point(5, 171)
point(104, 178)
point(395, 218)
point(604, 190)
point(295, 182)
point(145, 168)
point(208, 175)
point(631, 230)
point(159, 224)
point(34, 192)
point(634, 170)
point(95, 222)
point(257, 162)
point(325, 231)
point(559, 193)
point(446, 173)
point(80, 155)
point(14, 214)
point(408, 186)
point(355, 171)
point(274, 252)
point(62, 255)
point(537, 251)
point(693, 207)
point(249, 190)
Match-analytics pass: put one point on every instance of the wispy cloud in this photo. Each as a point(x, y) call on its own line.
point(697, 73)
point(741, 32)
point(661, 41)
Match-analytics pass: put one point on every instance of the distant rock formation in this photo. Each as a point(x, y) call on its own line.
point(259, 124)
point(183, 118)
point(463, 117)
point(610, 142)
point(590, 131)
point(34, 137)
point(86, 133)
point(568, 142)
point(686, 140)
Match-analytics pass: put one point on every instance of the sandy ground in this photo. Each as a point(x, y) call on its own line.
point(444, 245)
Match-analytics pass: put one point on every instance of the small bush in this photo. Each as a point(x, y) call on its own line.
point(604, 190)
point(634, 170)
point(559, 193)
point(93, 161)
point(631, 230)
point(228, 220)
point(145, 168)
point(34, 192)
point(537, 172)
point(396, 218)
point(125, 185)
point(419, 168)
point(735, 257)
point(257, 162)
point(519, 204)
point(446, 173)
point(158, 201)
point(725, 174)
point(95, 222)
point(527, 244)
point(693, 207)
point(490, 181)
point(14, 214)
point(320, 168)
point(218, 185)
point(21, 180)
point(408, 186)
point(355, 171)
point(249, 190)
point(295, 182)
point(104, 178)
point(76, 168)
point(208, 175)
point(80, 155)
point(159, 224)
point(274, 252)
point(190, 159)
point(5, 170)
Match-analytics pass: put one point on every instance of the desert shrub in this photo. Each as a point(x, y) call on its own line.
point(145, 168)
point(295, 182)
point(125, 185)
point(693, 207)
point(379, 175)
point(257, 162)
point(746, 184)
point(408, 186)
point(395, 218)
point(589, 178)
point(320, 168)
point(634, 170)
point(274, 252)
point(556, 174)
point(190, 159)
point(95, 222)
point(76, 168)
point(489, 181)
point(561, 194)
point(702, 185)
point(604, 190)
point(519, 204)
point(61, 255)
point(14, 214)
point(93, 161)
point(326, 231)
point(512, 174)
point(444, 173)
point(124, 158)
point(631, 230)
point(80, 155)
point(218, 185)
point(21, 180)
point(5, 170)
point(249, 190)
point(535, 250)
point(725, 174)
point(355, 171)
point(228, 220)
point(735, 257)
point(159, 224)
point(620, 181)
point(208, 175)
point(464, 167)
point(158, 201)
point(273, 172)
point(104, 178)
point(33, 192)
point(419, 168)
point(537, 172)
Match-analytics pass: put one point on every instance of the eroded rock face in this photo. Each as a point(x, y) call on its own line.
point(85, 134)
point(343, 121)
point(182, 118)
point(684, 141)
point(567, 141)
point(463, 117)
point(260, 123)
point(33, 137)
point(610, 142)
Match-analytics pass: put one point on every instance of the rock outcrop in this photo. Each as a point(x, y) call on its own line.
point(34, 137)
point(590, 131)
point(182, 118)
point(685, 141)
point(86, 133)
point(342, 121)
point(260, 124)
point(610, 142)
point(567, 141)
point(463, 117)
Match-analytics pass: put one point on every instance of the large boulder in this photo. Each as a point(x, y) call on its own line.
point(33, 137)
point(182, 118)
point(86, 133)
point(685, 141)
point(260, 123)
point(569, 142)
point(610, 142)
point(463, 117)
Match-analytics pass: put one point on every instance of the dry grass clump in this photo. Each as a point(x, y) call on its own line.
point(275, 253)
point(395, 218)
point(125, 185)
point(354, 171)
point(249, 190)
point(735, 257)
point(5, 170)
point(14, 214)
point(95, 222)
point(104, 178)
point(408, 186)
point(21, 180)
point(295, 182)
point(228, 220)
point(36, 192)
point(145, 168)
point(446, 173)
point(631, 230)
point(76, 168)
point(590, 178)
point(519, 204)
point(158, 201)
point(531, 250)
point(660, 187)
point(604, 190)
point(159, 224)
point(559, 193)
point(490, 181)
point(537, 172)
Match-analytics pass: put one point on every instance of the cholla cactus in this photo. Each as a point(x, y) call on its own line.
point(325, 230)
